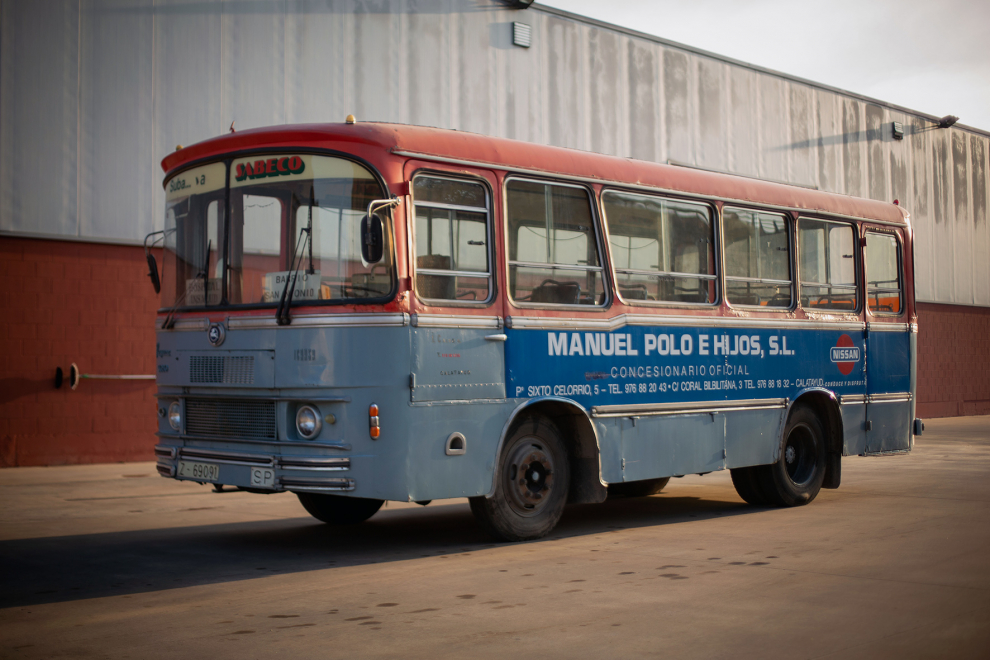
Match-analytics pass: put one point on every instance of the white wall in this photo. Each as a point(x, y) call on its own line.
point(93, 93)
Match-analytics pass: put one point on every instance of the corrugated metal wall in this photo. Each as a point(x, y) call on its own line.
point(94, 92)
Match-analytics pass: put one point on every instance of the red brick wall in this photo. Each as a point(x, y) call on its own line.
point(953, 360)
point(91, 304)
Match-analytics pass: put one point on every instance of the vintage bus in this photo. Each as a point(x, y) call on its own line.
point(363, 312)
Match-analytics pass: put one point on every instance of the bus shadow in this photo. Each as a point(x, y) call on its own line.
point(68, 568)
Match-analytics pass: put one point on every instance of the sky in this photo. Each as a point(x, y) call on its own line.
point(932, 57)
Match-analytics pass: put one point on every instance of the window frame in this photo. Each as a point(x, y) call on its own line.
point(867, 230)
point(600, 237)
point(857, 260)
point(791, 264)
point(489, 234)
point(716, 252)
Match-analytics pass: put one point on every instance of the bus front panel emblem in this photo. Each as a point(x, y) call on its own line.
point(216, 333)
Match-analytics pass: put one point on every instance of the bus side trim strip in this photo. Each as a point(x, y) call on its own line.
point(700, 407)
point(321, 321)
point(616, 322)
point(455, 321)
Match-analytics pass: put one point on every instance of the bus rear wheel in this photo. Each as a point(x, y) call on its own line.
point(531, 482)
point(337, 509)
point(796, 478)
point(643, 488)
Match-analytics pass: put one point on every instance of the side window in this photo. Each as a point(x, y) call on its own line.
point(827, 265)
point(883, 273)
point(553, 248)
point(757, 258)
point(663, 250)
point(452, 245)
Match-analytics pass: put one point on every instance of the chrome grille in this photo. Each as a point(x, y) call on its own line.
point(231, 418)
point(225, 369)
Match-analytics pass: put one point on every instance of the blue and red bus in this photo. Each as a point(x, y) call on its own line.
point(364, 312)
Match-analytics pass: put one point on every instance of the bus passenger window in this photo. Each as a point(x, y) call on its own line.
point(662, 249)
point(827, 265)
point(757, 258)
point(883, 274)
point(553, 249)
point(452, 246)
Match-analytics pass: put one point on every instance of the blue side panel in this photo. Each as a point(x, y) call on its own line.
point(640, 365)
point(889, 362)
point(889, 372)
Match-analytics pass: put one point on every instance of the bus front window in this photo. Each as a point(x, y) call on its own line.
point(293, 217)
point(312, 206)
point(194, 209)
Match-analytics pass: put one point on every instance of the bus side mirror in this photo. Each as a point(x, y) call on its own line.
point(153, 272)
point(372, 238)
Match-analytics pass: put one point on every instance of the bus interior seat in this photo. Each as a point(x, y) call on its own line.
point(744, 299)
point(634, 292)
point(438, 287)
point(560, 293)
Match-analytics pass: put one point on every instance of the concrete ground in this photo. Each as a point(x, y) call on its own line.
point(113, 561)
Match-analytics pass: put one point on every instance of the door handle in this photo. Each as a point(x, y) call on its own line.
point(496, 337)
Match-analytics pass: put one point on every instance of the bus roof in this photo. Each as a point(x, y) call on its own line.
point(514, 155)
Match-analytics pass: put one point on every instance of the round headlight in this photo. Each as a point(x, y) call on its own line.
point(175, 415)
point(308, 422)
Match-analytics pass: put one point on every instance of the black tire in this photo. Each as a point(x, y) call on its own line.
point(796, 477)
point(339, 510)
point(531, 482)
point(643, 488)
point(746, 481)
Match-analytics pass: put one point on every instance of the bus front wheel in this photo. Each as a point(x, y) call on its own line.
point(531, 482)
point(337, 509)
point(797, 476)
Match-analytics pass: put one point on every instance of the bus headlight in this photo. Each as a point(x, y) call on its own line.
point(175, 415)
point(308, 422)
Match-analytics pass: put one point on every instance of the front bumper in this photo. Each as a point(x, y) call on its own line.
point(260, 470)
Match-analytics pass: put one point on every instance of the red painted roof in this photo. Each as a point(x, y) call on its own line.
point(501, 153)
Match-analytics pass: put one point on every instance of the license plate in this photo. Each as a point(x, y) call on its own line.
point(263, 478)
point(199, 471)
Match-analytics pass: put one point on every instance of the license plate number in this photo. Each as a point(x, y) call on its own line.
point(200, 471)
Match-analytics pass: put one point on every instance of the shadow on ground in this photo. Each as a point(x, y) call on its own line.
point(49, 570)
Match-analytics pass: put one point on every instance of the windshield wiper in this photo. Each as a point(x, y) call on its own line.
point(285, 300)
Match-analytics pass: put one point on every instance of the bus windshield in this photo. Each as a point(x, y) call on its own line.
point(291, 216)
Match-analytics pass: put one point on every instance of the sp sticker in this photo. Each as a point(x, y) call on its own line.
point(845, 355)
point(216, 334)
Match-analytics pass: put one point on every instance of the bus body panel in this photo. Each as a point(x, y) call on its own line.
point(450, 364)
point(889, 385)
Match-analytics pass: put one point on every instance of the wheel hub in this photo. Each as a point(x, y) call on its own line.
point(799, 455)
point(529, 473)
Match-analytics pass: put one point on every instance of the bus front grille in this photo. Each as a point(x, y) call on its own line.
point(231, 418)
point(221, 369)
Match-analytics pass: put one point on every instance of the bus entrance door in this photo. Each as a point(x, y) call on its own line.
point(888, 387)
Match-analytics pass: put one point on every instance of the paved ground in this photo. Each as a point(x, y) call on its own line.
point(113, 561)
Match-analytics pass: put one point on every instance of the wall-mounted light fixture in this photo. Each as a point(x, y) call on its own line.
point(522, 35)
point(897, 129)
point(947, 121)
